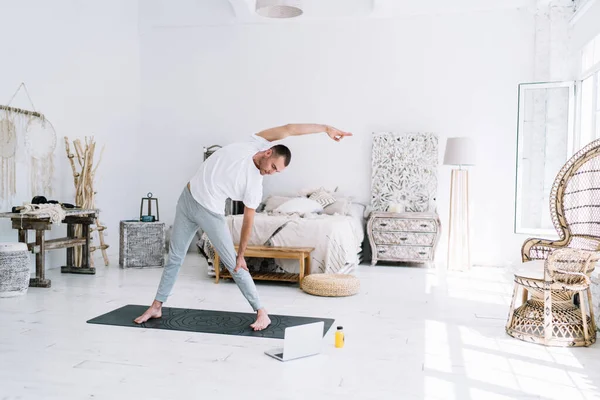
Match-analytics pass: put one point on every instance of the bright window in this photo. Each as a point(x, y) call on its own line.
point(587, 56)
point(597, 105)
point(589, 124)
point(587, 133)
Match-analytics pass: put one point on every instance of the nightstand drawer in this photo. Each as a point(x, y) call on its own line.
point(404, 238)
point(397, 224)
point(404, 252)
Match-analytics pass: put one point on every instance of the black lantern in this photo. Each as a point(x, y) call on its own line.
point(149, 217)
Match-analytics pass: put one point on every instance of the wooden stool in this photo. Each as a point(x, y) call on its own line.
point(302, 254)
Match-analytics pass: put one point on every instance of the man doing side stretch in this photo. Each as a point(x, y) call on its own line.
point(235, 171)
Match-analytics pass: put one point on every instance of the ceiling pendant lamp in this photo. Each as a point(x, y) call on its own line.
point(278, 8)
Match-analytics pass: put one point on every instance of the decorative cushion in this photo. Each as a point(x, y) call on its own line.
point(322, 197)
point(306, 192)
point(300, 205)
point(331, 285)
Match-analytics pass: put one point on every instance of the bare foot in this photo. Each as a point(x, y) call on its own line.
point(154, 311)
point(262, 320)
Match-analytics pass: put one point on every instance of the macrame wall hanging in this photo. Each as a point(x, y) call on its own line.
point(32, 130)
point(8, 148)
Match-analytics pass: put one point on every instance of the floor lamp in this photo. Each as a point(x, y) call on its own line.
point(459, 151)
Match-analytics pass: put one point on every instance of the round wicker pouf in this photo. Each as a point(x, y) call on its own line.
point(14, 269)
point(331, 285)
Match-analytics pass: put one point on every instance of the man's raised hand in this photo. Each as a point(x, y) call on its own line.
point(336, 134)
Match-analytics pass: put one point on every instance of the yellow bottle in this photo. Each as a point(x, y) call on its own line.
point(339, 337)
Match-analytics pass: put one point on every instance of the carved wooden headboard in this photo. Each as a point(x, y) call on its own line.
point(404, 171)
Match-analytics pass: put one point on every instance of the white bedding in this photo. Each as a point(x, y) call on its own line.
point(337, 239)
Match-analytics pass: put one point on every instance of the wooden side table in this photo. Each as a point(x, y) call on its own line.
point(302, 254)
point(40, 224)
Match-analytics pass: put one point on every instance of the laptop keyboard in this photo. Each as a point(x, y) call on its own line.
point(280, 355)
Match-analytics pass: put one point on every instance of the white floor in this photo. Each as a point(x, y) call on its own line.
point(412, 333)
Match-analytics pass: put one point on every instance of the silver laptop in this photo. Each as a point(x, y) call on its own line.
point(299, 341)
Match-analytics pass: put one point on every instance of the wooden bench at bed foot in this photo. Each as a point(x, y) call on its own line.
point(302, 254)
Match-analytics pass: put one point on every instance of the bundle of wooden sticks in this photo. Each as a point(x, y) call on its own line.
point(84, 191)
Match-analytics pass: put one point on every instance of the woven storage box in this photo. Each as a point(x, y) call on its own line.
point(14, 269)
point(142, 244)
point(331, 285)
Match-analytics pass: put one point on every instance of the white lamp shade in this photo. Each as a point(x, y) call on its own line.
point(460, 151)
point(278, 8)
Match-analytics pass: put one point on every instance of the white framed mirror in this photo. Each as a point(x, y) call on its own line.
point(545, 136)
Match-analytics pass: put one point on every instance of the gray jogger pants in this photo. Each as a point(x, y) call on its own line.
point(190, 216)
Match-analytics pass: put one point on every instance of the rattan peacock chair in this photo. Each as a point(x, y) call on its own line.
point(574, 206)
point(558, 271)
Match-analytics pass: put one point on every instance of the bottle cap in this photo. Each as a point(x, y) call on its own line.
point(339, 328)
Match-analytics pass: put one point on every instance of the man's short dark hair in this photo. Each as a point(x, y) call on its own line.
point(282, 151)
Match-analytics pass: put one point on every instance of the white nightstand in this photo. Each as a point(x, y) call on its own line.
point(403, 237)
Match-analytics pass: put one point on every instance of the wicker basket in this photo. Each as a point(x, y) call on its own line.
point(14, 269)
point(142, 244)
point(331, 285)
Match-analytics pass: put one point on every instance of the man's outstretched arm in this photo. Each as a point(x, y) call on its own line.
point(281, 132)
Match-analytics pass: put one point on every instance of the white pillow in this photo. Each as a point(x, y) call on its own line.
point(274, 201)
point(358, 210)
point(300, 205)
point(340, 206)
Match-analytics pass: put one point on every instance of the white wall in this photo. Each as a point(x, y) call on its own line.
point(80, 62)
point(585, 25)
point(455, 74)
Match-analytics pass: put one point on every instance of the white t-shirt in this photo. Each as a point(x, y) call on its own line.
point(230, 173)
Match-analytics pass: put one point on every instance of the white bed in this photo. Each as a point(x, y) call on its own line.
point(336, 233)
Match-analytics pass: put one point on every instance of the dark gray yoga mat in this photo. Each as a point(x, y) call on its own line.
point(206, 321)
